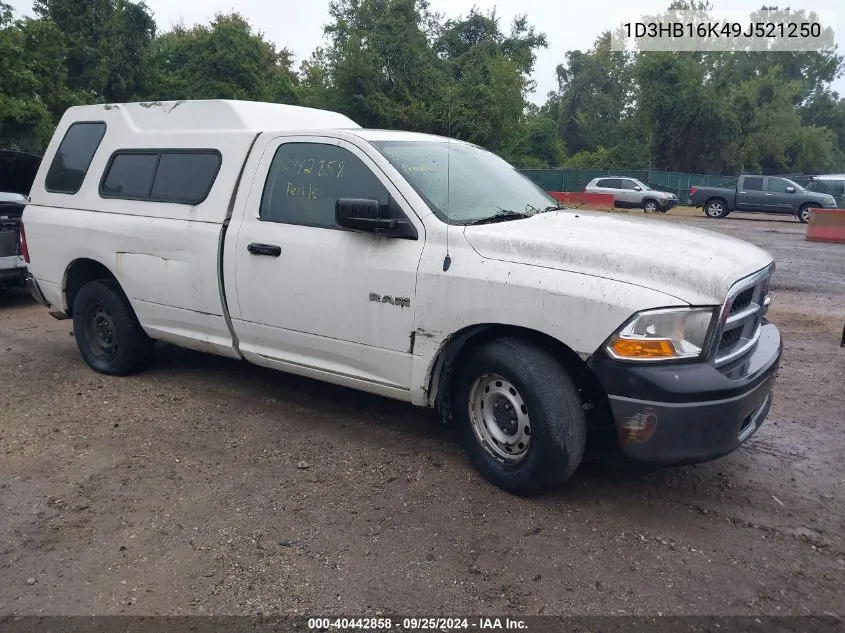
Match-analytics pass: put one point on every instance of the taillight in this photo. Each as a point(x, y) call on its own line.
point(692, 191)
point(24, 249)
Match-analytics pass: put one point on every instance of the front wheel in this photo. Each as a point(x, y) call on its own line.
point(651, 206)
point(716, 209)
point(107, 332)
point(520, 416)
point(804, 214)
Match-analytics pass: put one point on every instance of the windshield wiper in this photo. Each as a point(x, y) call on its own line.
point(502, 215)
point(556, 207)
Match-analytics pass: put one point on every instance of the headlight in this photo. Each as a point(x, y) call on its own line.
point(663, 334)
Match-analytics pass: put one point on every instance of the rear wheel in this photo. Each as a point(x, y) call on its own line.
point(804, 214)
point(716, 208)
point(520, 416)
point(107, 332)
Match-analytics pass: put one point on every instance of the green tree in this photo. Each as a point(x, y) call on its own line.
point(489, 76)
point(538, 144)
point(594, 97)
point(690, 126)
point(46, 56)
point(824, 109)
point(23, 116)
point(382, 69)
point(773, 137)
point(107, 44)
point(224, 60)
point(315, 88)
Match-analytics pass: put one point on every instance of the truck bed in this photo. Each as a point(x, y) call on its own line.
point(703, 194)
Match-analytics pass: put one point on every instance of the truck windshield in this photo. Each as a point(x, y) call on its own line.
point(481, 186)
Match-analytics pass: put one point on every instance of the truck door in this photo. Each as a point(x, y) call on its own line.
point(314, 298)
point(750, 194)
point(776, 199)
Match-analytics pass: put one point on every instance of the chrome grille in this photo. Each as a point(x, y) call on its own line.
point(741, 318)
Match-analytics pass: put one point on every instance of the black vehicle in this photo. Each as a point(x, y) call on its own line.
point(763, 194)
point(17, 171)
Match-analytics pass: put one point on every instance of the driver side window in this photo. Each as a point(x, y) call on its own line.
point(306, 179)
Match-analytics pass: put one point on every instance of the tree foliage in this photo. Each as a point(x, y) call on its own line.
point(711, 112)
point(396, 64)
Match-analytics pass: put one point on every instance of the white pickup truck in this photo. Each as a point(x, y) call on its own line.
point(407, 265)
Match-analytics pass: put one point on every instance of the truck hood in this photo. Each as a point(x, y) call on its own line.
point(693, 265)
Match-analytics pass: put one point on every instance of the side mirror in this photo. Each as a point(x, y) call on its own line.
point(790, 190)
point(368, 216)
point(638, 188)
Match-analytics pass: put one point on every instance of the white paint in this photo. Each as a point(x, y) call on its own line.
point(575, 276)
point(694, 265)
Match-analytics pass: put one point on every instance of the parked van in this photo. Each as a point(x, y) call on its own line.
point(407, 265)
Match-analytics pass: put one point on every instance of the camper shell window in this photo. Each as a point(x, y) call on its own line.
point(74, 156)
point(178, 176)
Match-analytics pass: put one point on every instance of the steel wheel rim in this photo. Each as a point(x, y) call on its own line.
point(499, 418)
point(805, 214)
point(101, 332)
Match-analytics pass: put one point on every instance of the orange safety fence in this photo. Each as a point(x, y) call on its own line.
point(581, 200)
point(826, 225)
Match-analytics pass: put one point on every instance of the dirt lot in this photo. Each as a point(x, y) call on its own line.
point(209, 486)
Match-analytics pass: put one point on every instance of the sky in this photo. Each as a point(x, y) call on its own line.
point(568, 24)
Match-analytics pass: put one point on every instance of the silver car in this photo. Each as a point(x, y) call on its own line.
point(630, 192)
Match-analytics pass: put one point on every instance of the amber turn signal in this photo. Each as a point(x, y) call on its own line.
point(643, 348)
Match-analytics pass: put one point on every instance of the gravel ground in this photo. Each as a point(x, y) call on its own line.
point(209, 486)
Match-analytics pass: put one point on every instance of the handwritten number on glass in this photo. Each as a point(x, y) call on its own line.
point(330, 169)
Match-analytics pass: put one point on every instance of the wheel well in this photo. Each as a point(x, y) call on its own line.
point(457, 348)
point(715, 198)
point(650, 199)
point(79, 273)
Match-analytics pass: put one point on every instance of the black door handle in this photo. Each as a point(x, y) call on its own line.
point(264, 249)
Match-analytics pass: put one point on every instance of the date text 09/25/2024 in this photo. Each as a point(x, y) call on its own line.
point(416, 624)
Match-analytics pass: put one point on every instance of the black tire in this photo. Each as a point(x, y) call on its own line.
point(107, 331)
point(716, 208)
point(803, 214)
point(650, 205)
point(551, 402)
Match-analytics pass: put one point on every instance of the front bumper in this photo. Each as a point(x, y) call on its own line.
point(690, 412)
point(668, 204)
